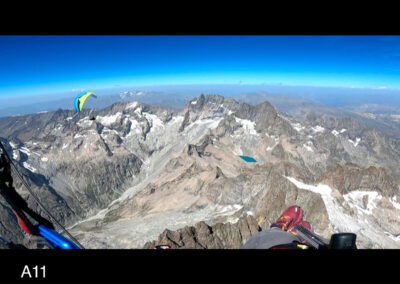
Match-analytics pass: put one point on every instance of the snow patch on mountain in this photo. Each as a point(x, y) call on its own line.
point(25, 151)
point(318, 129)
point(394, 202)
point(134, 129)
point(247, 125)
point(156, 122)
point(29, 167)
point(132, 105)
point(355, 143)
point(79, 135)
point(336, 133)
point(109, 119)
point(297, 126)
point(224, 210)
point(362, 224)
point(138, 111)
point(322, 189)
point(309, 146)
point(365, 201)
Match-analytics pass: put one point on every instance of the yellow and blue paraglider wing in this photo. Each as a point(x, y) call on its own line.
point(81, 99)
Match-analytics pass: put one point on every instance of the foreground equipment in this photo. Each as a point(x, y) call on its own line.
point(290, 231)
point(337, 241)
point(42, 227)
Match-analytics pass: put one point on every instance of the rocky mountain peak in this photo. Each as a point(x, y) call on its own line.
point(205, 173)
point(204, 236)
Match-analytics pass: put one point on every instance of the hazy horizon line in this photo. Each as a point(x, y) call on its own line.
point(240, 84)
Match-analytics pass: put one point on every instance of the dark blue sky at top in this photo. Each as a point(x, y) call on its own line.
point(33, 65)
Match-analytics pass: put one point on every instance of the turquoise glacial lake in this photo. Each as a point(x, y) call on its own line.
point(248, 159)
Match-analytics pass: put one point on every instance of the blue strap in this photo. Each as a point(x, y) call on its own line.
point(56, 239)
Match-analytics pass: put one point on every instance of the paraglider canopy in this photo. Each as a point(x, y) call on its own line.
point(81, 99)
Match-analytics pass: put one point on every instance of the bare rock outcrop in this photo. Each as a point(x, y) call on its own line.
point(203, 236)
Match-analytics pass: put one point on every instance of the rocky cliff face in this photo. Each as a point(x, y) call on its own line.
point(203, 236)
point(138, 171)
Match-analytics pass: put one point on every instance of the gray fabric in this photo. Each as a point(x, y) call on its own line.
point(269, 238)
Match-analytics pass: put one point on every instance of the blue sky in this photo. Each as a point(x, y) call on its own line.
point(35, 65)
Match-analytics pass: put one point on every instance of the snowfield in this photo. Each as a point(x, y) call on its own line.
point(247, 125)
point(341, 220)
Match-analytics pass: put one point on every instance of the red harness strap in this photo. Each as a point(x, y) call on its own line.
point(24, 226)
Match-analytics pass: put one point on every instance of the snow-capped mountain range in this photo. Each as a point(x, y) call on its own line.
point(120, 180)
